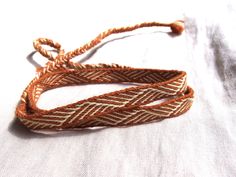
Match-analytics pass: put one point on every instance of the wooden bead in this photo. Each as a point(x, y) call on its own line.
point(177, 27)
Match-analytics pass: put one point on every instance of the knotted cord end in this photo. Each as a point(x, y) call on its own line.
point(177, 27)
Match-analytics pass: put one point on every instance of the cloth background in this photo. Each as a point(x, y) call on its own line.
point(200, 143)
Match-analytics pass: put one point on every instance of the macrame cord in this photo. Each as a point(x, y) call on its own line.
point(116, 109)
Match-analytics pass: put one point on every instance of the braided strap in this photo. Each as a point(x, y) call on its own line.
point(125, 107)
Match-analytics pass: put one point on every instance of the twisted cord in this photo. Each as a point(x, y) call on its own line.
point(177, 27)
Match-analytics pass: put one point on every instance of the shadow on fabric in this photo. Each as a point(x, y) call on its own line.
point(17, 129)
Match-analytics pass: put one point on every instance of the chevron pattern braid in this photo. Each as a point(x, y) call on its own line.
point(130, 106)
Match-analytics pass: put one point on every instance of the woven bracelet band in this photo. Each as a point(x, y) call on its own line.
point(125, 107)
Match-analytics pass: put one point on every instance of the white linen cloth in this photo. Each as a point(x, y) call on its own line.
point(200, 143)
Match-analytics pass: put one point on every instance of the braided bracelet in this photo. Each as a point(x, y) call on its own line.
point(119, 108)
